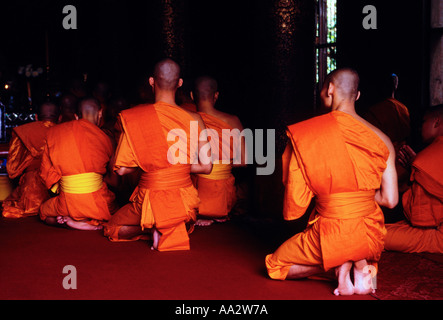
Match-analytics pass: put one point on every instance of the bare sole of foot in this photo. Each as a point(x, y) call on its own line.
point(78, 225)
point(345, 286)
point(204, 222)
point(156, 235)
point(363, 278)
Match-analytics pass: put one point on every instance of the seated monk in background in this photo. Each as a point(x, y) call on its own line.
point(184, 99)
point(24, 158)
point(423, 201)
point(217, 191)
point(164, 203)
point(349, 166)
point(75, 159)
point(392, 118)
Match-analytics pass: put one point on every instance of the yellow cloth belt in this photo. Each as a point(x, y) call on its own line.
point(219, 172)
point(81, 183)
point(346, 205)
point(178, 176)
point(175, 177)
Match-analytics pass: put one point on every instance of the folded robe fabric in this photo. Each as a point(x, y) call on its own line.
point(76, 157)
point(165, 197)
point(24, 158)
point(339, 161)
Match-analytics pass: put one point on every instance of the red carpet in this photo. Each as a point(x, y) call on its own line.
point(226, 262)
point(405, 276)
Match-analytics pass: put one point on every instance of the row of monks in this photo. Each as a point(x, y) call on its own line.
point(350, 166)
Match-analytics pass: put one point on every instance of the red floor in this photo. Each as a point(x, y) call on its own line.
point(226, 262)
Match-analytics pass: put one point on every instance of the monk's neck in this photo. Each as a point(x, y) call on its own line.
point(165, 96)
point(206, 107)
point(346, 107)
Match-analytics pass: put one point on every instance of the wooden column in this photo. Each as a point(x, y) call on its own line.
point(173, 31)
point(294, 56)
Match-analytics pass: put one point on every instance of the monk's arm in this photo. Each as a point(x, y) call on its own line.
point(18, 157)
point(204, 164)
point(48, 173)
point(123, 161)
point(387, 195)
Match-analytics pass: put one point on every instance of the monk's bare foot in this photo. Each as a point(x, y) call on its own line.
point(61, 219)
point(345, 286)
point(79, 225)
point(221, 220)
point(156, 235)
point(204, 222)
point(363, 277)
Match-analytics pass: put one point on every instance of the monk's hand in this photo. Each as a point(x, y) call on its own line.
point(406, 156)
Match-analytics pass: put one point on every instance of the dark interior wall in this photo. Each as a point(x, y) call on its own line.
point(399, 45)
point(236, 41)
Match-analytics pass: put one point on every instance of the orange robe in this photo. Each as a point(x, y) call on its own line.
point(165, 197)
point(76, 148)
point(217, 190)
point(24, 158)
point(392, 117)
point(340, 161)
point(422, 205)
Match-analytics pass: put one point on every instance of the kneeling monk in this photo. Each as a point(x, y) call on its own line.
point(75, 159)
point(165, 202)
point(349, 166)
point(217, 190)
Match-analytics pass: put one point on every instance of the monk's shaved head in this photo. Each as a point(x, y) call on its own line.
point(346, 81)
point(89, 106)
point(205, 88)
point(48, 111)
point(90, 109)
point(167, 74)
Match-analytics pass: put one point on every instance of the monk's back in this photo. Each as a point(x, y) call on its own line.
point(340, 154)
point(79, 146)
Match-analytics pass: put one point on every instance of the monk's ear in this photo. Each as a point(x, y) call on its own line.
point(180, 82)
point(331, 89)
point(76, 117)
point(192, 95)
point(216, 96)
point(358, 96)
point(151, 81)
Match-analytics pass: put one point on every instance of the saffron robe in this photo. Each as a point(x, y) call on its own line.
point(73, 149)
point(24, 158)
point(340, 161)
point(165, 197)
point(422, 205)
point(217, 191)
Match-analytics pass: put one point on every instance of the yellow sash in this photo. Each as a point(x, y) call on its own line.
point(219, 172)
point(81, 183)
point(346, 205)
